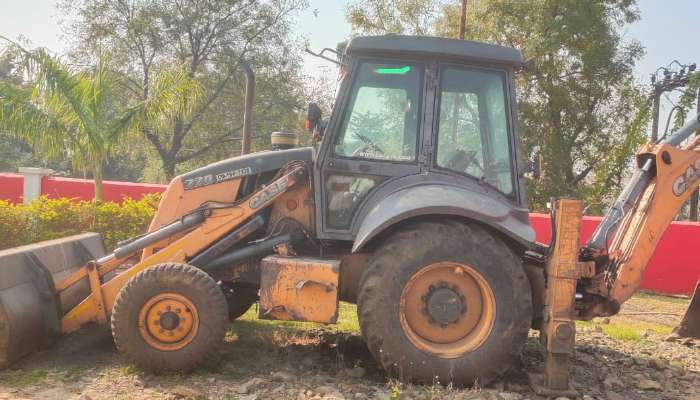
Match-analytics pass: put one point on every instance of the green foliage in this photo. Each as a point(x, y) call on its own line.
point(73, 113)
point(212, 38)
point(686, 102)
point(45, 219)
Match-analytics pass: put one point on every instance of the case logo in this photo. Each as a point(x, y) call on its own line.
point(690, 176)
point(270, 192)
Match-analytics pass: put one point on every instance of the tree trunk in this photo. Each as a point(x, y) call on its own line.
point(97, 176)
point(169, 164)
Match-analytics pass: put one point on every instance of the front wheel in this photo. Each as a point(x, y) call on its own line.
point(445, 301)
point(169, 317)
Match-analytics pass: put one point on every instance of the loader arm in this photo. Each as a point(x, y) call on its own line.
point(626, 238)
point(206, 226)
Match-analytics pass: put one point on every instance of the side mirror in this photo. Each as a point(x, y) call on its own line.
point(313, 117)
point(314, 121)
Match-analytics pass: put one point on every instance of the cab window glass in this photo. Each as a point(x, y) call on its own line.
point(473, 126)
point(383, 116)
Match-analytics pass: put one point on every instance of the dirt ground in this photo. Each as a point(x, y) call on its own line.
point(624, 357)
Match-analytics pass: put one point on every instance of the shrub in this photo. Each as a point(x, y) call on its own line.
point(45, 219)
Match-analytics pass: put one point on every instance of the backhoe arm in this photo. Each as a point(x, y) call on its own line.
point(625, 240)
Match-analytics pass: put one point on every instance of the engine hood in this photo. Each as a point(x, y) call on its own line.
point(249, 164)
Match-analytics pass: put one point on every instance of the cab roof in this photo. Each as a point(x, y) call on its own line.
point(435, 47)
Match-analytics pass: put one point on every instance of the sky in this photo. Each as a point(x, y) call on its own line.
point(667, 29)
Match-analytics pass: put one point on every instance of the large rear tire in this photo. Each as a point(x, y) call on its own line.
point(445, 302)
point(169, 317)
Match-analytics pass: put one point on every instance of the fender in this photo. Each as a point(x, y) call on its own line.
point(443, 199)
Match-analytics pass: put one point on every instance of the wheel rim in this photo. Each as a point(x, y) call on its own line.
point(447, 309)
point(168, 321)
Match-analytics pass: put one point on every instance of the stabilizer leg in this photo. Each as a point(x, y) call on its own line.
point(690, 324)
point(559, 330)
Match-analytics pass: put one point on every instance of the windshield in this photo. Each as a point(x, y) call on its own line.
point(473, 126)
point(382, 120)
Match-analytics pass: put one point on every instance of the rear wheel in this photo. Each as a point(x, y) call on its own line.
point(447, 302)
point(169, 317)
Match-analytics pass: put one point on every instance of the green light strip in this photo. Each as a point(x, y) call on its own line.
point(393, 71)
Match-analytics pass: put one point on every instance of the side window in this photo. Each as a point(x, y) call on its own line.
point(344, 194)
point(383, 116)
point(473, 126)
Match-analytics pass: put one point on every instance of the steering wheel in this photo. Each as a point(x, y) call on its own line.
point(368, 145)
point(462, 160)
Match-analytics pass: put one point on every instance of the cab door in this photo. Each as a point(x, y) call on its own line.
point(374, 135)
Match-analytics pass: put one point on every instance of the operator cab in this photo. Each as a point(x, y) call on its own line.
point(417, 110)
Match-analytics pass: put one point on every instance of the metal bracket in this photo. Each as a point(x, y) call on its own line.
point(96, 289)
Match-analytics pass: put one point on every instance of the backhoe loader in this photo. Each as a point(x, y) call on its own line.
point(412, 206)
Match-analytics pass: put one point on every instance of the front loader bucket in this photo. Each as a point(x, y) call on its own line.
point(30, 310)
point(690, 325)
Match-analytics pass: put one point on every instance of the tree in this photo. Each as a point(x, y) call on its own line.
point(394, 16)
point(580, 105)
point(76, 113)
point(211, 38)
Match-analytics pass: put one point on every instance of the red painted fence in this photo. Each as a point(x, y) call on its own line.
point(674, 267)
point(11, 188)
point(83, 189)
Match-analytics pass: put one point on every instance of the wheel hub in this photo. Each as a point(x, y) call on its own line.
point(168, 321)
point(447, 309)
point(444, 304)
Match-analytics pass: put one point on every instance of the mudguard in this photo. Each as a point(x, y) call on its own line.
point(30, 310)
point(447, 200)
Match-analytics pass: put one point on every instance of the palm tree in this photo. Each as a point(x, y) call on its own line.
point(67, 112)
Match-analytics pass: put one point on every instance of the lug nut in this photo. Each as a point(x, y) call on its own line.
point(177, 310)
point(167, 308)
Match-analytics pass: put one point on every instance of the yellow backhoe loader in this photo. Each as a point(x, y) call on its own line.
point(413, 207)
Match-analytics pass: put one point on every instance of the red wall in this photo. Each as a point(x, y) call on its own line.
point(83, 189)
point(11, 187)
point(674, 268)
